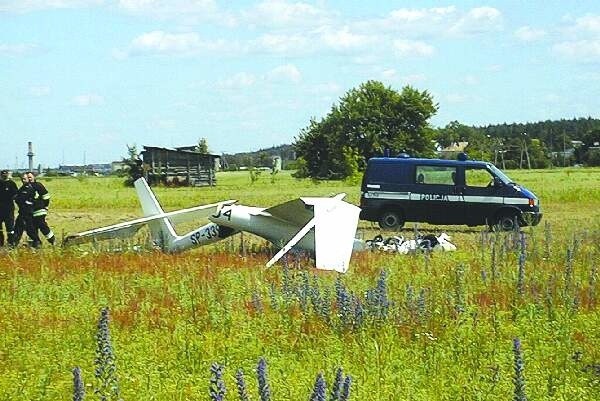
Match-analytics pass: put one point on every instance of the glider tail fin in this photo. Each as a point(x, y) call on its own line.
point(335, 228)
point(163, 233)
point(334, 223)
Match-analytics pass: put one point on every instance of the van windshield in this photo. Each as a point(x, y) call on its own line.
point(498, 173)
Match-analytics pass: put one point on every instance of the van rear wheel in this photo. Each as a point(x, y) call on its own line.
point(391, 221)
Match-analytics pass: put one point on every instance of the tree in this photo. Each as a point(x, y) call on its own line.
point(133, 165)
point(371, 120)
point(203, 146)
point(584, 154)
point(538, 154)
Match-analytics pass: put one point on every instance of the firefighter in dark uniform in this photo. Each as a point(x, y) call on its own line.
point(8, 190)
point(40, 210)
point(24, 199)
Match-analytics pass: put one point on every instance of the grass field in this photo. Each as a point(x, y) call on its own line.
point(404, 327)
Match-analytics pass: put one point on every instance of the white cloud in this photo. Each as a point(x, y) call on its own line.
point(435, 22)
point(494, 68)
point(40, 90)
point(89, 99)
point(287, 72)
point(280, 13)
point(412, 48)
point(163, 42)
point(325, 38)
point(477, 21)
point(412, 22)
point(282, 43)
point(412, 79)
point(552, 98)
point(456, 98)
point(344, 39)
point(184, 44)
point(16, 49)
point(529, 34)
point(238, 81)
point(366, 58)
point(581, 41)
point(25, 6)
point(423, 15)
point(329, 88)
point(470, 80)
point(188, 10)
point(588, 24)
point(389, 73)
point(579, 51)
point(161, 124)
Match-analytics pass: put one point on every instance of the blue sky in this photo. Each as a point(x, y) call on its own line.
point(83, 78)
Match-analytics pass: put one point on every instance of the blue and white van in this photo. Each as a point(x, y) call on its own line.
point(437, 191)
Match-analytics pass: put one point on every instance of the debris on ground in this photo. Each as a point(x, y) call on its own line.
point(398, 244)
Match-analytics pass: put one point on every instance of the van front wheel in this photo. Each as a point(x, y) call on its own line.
point(391, 221)
point(507, 222)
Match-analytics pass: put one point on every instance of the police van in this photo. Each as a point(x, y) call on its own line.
point(437, 191)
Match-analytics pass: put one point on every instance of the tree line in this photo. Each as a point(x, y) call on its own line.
point(376, 120)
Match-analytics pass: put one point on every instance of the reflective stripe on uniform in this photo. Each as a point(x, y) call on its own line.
point(50, 235)
point(41, 212)
point(46, 196)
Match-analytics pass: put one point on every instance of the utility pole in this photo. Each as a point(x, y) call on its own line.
point(564, 150)
point(551, 150)
point(524, 148)
point(30, 155)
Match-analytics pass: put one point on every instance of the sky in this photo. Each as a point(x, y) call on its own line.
point(82, 79)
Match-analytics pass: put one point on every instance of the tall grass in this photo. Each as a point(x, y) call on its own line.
point(402, 326)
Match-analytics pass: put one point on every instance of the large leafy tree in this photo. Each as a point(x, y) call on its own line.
point(370, 120)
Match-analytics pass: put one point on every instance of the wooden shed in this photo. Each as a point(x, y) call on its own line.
point(180, 166)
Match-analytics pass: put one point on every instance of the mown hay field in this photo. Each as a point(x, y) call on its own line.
point(403, 327)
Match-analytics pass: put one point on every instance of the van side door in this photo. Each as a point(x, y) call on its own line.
point(481, 196)
point(433, 198)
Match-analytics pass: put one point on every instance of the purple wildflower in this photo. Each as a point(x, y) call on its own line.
point(264, 390)
point(521, 275)
point(241, 385)
point(78, 387)
point(105, 371)
point(217, 385)
point(519, 379)
point(346, 389)
point(337, 385)
point(320, 390)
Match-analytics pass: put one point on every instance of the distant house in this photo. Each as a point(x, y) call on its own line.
point(576, 144)
point(118, 166)
point(179, 166)
point(450, 152)
point(78, 169)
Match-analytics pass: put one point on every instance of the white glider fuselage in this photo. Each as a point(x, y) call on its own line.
point(205, 235)
point(260, 222)
point(325, 227)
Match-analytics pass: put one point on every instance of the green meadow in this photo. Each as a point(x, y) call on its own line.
point(436, 326)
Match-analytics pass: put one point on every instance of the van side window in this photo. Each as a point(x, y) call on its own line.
point(389, 174)
point(438, 175)
point(478, 177)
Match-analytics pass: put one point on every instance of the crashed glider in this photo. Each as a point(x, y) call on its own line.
point(325, 227)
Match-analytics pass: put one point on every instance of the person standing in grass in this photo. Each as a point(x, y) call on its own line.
point(24, 223)
point(41, 201)
point(8, 190)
